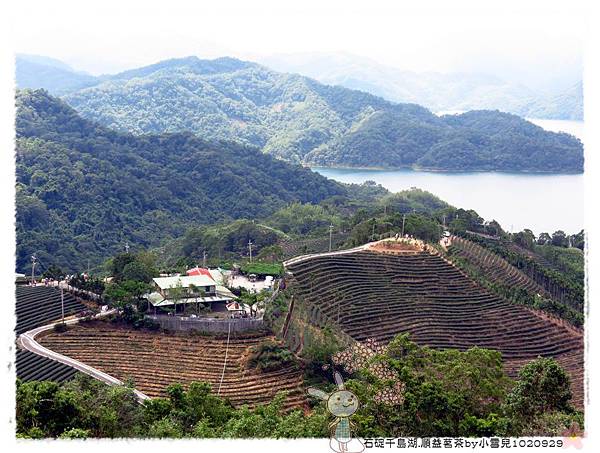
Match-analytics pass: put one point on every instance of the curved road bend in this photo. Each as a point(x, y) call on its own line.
point(27, 341)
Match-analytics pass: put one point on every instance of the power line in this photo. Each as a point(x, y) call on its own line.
point(225, 361)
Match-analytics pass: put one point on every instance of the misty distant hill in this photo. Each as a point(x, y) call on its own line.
point(567, 105)
point(436, 91)
point(34, 71)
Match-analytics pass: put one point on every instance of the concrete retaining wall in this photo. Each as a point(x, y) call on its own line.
point(207, 325)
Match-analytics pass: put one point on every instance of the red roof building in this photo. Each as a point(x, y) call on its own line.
point(199, 271)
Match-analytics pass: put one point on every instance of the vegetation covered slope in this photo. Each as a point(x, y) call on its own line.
point(300, 120)
point(84, 190)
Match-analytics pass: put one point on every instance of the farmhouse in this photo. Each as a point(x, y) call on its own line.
point(180, 291)
point(215, 274)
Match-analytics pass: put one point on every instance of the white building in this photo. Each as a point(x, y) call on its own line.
point(180, 291)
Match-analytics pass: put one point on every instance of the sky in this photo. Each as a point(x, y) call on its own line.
point(520, 41)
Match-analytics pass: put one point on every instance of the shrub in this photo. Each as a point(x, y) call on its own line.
point(543, 386)
point(60, 327)
point(75, 433)
point(259, 268)
point(270, 356)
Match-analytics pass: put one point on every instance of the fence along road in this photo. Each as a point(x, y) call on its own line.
point(27, 341)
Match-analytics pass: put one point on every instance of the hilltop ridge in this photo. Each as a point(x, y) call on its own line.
point(300, 120)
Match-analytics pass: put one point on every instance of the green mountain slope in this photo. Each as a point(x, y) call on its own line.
point(84, 190)
point(301, 120)
point(476, 140)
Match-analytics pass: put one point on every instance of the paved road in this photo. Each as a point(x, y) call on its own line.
point(27, 341)
point(301, 258)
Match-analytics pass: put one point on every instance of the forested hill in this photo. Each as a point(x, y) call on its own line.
point(84, 190)
point(301, 120)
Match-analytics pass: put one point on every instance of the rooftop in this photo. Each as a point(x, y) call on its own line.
point(184, 280)
point(222, 295)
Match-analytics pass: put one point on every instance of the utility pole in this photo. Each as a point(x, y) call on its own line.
point(88, 268)
point(330, 235)
point(33, 263)
point(250, 249)
point(204, 258)
point(62, 304)
point(373, 232)
point(403, 220)
point(127, 247)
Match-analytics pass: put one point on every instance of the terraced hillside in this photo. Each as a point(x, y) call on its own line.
point(564, 285)
point(39, 305)
point(155, 360)
point(375, 295)
point(497, 269)
point(32, 367)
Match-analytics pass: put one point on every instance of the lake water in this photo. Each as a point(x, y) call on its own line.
point(540, 202)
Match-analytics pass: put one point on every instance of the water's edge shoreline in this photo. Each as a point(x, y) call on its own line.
point(435, 170)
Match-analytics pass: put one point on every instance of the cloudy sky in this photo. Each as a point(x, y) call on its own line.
point(530, 42)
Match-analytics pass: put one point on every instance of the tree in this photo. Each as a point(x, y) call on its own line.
point(494, 228)
point(165, 428)
point(543, 386)
point(525, 239)
point(75, 433)
point(578, 240)
point(544, 238)
point(559, 239)
point(125, 292)
point(138, 271)
point(272, 253)
point(45, 406)
point(408, 390)
point(54, 272)
point(118, 263)
point(176, 294)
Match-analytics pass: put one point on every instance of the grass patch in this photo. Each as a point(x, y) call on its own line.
point(275, 269)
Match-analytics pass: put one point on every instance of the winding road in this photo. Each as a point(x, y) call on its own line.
point(27, 341)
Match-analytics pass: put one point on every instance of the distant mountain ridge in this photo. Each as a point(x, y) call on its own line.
point(567, 105)
point(436, 91)
point(300, 120)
